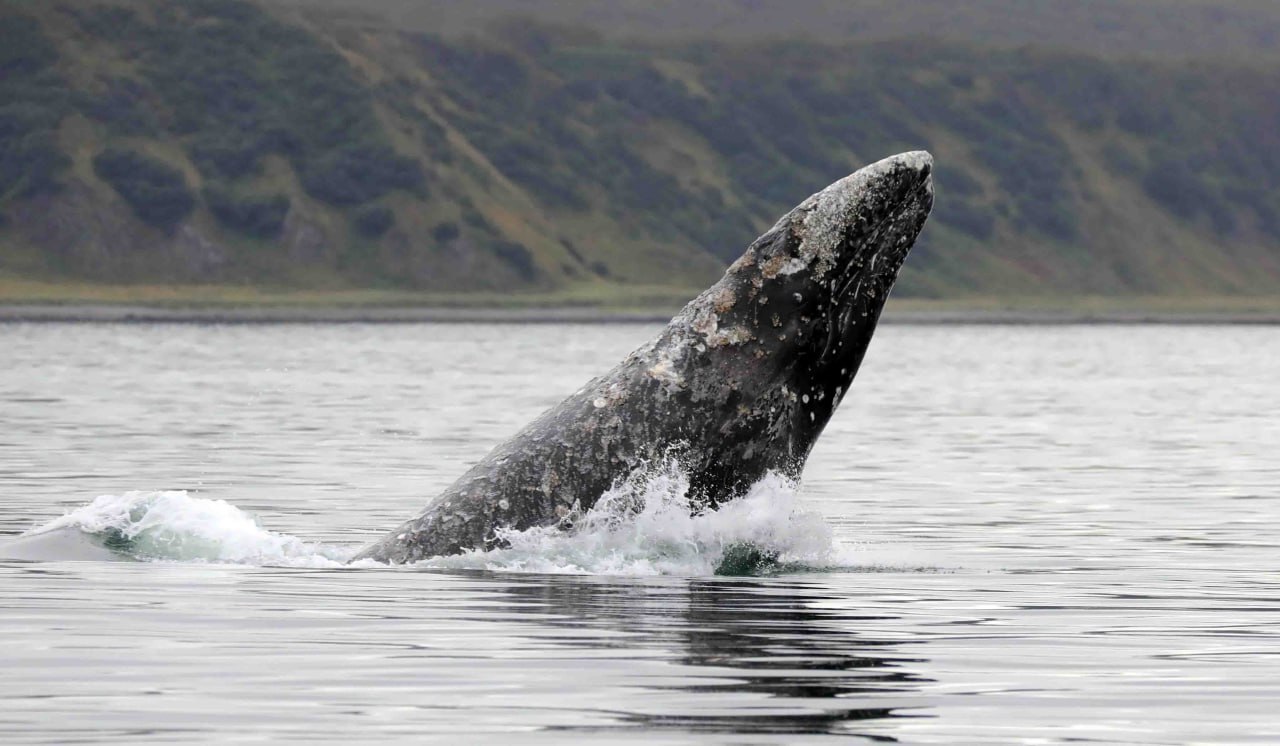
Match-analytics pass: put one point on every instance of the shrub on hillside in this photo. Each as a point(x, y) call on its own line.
point(257, 216)
point(445, 232)
point(107, 21)
point(374, 220)
point(29, 164)
point(228, 156)
point(356, 174)
point(23, 48)
point(1175, 186)
point(156, 192)
point(517, 256)
point(33, 101)
point(1181, 190)
point(123, 107)
point(523, 159)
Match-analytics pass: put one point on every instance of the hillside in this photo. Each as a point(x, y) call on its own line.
point(1180, 29)
point(218, 142)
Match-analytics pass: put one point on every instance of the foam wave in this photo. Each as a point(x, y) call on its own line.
point(173, 525)
point(646, 525)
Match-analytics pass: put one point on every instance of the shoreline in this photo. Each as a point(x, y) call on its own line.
point(143, 314)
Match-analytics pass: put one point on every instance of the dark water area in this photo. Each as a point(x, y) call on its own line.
point(1007, 535)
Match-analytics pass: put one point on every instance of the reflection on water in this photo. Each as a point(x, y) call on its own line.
point(1095, 508)
point(787, 667)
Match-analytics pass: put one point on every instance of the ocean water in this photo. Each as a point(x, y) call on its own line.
point(1008, 534)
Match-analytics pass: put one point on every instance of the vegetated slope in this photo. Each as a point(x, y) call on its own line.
point(1239, 29)
point(218, 141)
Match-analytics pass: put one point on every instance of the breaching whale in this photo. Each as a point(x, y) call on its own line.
point(741, 382)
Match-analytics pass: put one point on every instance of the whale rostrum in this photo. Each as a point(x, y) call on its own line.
point(741, 382)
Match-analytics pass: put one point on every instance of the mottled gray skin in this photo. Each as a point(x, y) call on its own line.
point(741, 381)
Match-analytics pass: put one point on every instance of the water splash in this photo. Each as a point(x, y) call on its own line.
point(173, 525)
point(646, 524)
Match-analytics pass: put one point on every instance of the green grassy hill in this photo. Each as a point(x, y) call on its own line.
point(1233, 29)
point(225, 143)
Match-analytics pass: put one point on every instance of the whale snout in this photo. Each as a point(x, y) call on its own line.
point(883, 191)
point(900, 197)
point(898, 176)
point(864, 224)
point(915, 171)
point(921, 161)
point(912, 170)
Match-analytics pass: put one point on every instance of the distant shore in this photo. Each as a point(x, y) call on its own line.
point(143, 314)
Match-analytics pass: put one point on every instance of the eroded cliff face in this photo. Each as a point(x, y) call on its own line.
point(741, 382)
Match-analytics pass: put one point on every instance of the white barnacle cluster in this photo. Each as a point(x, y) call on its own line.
point(665, 364)
point(734, 335)
point(664, 370)
point(702, 317)
point(611, 396)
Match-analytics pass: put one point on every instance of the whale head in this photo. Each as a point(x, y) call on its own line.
point(789, 323)
point(827, 267)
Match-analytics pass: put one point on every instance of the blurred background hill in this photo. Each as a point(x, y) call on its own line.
point(624, 152)
point(1240, 29)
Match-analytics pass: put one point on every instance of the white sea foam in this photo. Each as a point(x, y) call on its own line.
point(173, 525)
point(644, 525)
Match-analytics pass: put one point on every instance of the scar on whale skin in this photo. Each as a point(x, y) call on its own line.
point(742, 381)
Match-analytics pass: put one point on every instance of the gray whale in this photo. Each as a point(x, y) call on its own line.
point(742, 381)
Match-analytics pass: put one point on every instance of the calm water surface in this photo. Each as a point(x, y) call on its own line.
point(1048, 535)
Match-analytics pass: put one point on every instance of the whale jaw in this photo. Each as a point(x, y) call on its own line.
point(741, 382)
